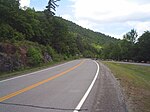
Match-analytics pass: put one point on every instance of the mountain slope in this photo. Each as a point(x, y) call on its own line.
point(93, 37)
point(34, 38)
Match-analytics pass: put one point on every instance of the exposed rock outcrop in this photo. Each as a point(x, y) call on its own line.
point(14, 57)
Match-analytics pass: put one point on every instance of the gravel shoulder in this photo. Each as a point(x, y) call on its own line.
point(109, 97)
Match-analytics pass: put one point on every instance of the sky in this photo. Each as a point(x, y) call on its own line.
point(111, 17)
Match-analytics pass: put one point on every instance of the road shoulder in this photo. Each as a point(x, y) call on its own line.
point(109, 97)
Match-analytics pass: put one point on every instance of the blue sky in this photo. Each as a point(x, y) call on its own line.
point(112, 17)
point(64, 6)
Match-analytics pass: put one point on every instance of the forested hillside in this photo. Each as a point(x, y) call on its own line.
point(30, 38)
point(93, 37)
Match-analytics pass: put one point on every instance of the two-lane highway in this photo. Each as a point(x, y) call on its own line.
point(60, 88)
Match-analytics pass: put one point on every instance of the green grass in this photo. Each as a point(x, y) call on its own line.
point(135, 80)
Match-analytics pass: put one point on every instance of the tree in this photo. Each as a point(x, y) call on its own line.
point(8, 10)
point(51, 7)
point(144, 47)
point(126, 49)
point(59, 38)
point(131, 36)
point(13, 4)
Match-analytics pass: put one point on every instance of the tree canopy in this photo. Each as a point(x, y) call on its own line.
point(131, 36)
point(30, 35)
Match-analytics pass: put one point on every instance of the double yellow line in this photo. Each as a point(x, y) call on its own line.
point(37, 84)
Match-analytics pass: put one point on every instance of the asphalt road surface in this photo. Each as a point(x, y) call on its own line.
point(79, 85)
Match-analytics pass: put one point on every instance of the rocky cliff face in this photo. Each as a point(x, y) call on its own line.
point(14, 57)
point(9, 59)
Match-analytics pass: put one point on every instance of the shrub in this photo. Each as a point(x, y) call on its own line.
point(8, 33)
point(51, 51)
point(35, 56)
point(58, 57)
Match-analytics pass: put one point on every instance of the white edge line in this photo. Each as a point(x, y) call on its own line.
point(35, 72)
point(88, 91)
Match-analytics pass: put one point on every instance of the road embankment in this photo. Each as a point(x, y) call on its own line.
point(135, 80)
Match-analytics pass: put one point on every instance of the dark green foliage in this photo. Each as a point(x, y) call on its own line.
point(131, 36)
point(59, 38)
point(40, 34)
point(65, 38)
point(55, 56)
point(35, 56)
point(127, 49)
point(143, 47)
point(51, 51)
point(7, 32)
point(89, 35)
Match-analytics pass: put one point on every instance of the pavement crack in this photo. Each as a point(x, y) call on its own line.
point(42, 107)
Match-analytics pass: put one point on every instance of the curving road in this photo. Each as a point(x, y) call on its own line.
point(69, 87)
point(57, 89)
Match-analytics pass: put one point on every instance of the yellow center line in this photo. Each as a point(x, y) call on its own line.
point(37, 84)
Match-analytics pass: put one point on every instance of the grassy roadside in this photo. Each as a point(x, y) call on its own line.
point(135, 80)
point(20, 72)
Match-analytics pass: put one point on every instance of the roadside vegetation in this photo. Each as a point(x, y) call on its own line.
point(27, 70)
point(30, 38)
point(135, 80)
point(129, 48)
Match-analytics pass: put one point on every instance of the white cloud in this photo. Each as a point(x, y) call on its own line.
point(140, 26)
point(85, 23)
point(25, 3)
point(133, 13)
point(66, 16)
